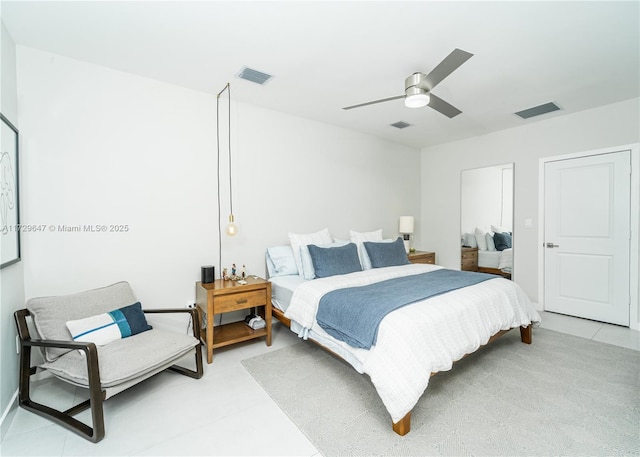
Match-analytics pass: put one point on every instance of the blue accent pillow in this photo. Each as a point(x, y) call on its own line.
point(104, 328)
point(502, 240)
point(333, 261)
point(135, 319)
point(387, 254)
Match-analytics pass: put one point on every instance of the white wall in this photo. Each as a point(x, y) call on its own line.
point(611, 125)
point(299, 176)
point(482, 199)
point(11, 277)
point(106, 147)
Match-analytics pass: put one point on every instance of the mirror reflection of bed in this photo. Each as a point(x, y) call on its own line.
point(486, 220)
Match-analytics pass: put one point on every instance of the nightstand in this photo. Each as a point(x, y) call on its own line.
point(469, 259)
point(226, 296)
point(422, 257)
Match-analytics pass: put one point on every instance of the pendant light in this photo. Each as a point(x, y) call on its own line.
point(232, 228)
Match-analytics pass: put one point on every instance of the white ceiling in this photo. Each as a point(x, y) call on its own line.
point(327, 55)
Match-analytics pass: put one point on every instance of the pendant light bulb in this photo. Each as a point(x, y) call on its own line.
point(232, 229)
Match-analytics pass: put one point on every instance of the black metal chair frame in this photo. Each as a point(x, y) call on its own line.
point(96, 394)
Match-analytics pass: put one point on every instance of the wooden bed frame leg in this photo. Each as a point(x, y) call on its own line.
point(403, 426)
point(525, 334)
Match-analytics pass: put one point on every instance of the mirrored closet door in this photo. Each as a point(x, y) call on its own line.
point(486, 219)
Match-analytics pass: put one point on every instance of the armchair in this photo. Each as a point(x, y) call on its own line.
point(104, 370)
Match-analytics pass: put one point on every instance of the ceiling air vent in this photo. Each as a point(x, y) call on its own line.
point(254, 76)
point(538, 110)
point(400, 125)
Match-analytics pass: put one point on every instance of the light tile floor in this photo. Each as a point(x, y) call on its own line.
point(597, 331)
point(224, 413)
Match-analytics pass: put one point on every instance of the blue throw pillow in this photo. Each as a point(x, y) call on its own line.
point(334, 260)
point(387, 254)
point(107, 327)
point(502, 240)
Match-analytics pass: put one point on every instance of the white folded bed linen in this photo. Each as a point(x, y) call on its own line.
point(506, 260)
point(417, 339)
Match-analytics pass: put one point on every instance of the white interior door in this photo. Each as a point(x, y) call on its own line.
point(587, 237)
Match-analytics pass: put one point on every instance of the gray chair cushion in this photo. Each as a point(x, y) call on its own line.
point(125, 359)
point(50, 314)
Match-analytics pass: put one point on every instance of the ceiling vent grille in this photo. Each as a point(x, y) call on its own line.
point(254, 76)
point(538, 110)
point(401, 125)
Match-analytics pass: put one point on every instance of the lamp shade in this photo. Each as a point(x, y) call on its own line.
point(406, 224)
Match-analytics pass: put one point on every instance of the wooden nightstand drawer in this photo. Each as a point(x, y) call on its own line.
point(469, 259)
point(422, 257)
point(469, 255)
point(241, 300)
point(469, 265)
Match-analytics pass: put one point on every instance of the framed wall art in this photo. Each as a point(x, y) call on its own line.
point(9, 195)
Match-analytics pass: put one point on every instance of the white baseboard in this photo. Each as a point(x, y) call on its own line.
point(7, 415)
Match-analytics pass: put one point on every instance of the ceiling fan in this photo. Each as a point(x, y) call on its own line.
point(418, 86)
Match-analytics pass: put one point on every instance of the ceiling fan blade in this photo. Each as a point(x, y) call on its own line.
point(373, 102)
point(443, 107)
point(445, 68)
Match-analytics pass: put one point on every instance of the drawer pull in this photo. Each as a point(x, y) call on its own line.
point(241, 301)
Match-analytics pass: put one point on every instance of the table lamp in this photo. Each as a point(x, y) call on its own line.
point(405, 227)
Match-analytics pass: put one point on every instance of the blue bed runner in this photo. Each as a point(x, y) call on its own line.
point(353, 314)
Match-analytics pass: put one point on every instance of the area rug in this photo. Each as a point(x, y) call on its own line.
point(562, 395)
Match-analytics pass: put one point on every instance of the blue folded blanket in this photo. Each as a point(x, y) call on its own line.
point(353, 314)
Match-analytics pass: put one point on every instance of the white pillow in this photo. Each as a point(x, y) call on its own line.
point(496, 229)
point(299, 243)
point(481, 238)
point(359, 238)
point(100, 329)
point(280, 261)
point(491, 246)
point(469, 239)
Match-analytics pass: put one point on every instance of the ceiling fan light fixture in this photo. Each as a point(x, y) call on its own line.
point(418, 86)
point(418, 99)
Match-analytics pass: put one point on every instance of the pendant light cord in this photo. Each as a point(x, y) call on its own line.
point(228, 89)
point(229, 138)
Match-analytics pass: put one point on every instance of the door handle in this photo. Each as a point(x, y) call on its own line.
point(551, 245)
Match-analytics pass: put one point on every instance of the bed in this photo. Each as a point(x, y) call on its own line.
point(412, 342)
point(495, 252)
point(496, 262)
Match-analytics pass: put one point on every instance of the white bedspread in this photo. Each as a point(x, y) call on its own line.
point(420, 338)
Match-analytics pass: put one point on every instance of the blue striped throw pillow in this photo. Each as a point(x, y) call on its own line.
point(104, 328)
